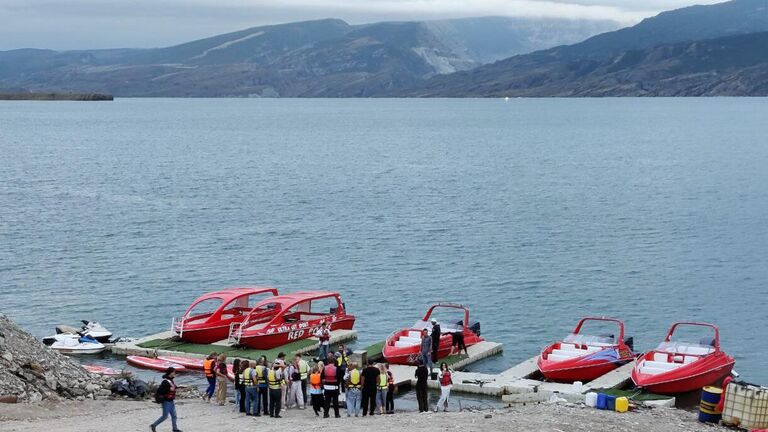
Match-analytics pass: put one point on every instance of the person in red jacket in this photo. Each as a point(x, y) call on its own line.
point(166, 394)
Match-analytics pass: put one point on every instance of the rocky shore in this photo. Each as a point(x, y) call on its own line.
point(31, 372)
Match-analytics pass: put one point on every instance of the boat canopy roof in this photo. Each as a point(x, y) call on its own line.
point(287, 301)
point(230, 294)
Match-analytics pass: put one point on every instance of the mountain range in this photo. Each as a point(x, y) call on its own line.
point(719, 49)
point(324, 58)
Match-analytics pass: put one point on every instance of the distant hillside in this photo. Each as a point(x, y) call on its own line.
point(327, 58)
point(686, 52)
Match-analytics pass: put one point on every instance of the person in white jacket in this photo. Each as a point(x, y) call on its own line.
point(296, 393)
point(445, 378)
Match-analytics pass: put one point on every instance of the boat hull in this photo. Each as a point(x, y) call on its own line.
point(273, 337)
point(587, 367)
point(579, 373)
point(79, 351)
point(693, 377)
point(205, 334)
point(189, 363)
point(154, 364)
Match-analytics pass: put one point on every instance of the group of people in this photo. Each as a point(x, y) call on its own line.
point(263, 388)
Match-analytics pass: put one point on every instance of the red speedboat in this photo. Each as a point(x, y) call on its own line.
point(278, 320)
point(153, 363)
point(582, 357)
point(403, 346)
point(679, 367)
point(210, 316)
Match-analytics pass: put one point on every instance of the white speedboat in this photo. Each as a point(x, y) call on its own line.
point(76, 344)
point(90, 329)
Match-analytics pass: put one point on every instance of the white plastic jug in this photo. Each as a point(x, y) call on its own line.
point(591, 399)
point(577, 386)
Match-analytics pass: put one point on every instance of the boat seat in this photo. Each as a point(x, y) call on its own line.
point(409, 340)
point(660, 357)
point(414, 334)
point(568, 353)
point(694, 350)
point(594, 348)
point(689, 359)
point(400, 344)
point(651, 370)
point(567, 347)
point(662, 365)
point(556, 357)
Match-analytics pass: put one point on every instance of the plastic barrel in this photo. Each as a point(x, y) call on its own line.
point(622, 404)
point(600, 401)
point(710, 397)
point(610, 402)
point(591, 399)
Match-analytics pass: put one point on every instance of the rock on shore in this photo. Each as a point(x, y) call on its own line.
point(31, 372)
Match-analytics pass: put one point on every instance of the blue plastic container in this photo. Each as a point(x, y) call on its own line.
point(610, 403)
point(601, 401)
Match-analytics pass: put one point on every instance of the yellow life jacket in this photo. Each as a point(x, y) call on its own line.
point(260, 378)
point(303, 369)
point(247, 379)
point(272, 380)
point(382, 381)
point(354, 379)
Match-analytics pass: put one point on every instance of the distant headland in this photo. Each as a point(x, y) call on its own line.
point(18, 96)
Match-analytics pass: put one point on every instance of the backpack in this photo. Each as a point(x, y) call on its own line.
point(159, 397)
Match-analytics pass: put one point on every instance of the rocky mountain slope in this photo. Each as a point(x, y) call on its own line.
point(317, 58)
point(702, 50)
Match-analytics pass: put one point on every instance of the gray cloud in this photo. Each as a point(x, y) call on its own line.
point(72, 24)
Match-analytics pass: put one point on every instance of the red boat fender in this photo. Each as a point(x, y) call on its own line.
point(721, 404)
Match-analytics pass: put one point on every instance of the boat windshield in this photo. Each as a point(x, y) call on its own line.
point(444, 327)
point(582, 339)
point(680, 347)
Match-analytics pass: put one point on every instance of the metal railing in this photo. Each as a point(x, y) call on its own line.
point(234, 334)
point(177, 325)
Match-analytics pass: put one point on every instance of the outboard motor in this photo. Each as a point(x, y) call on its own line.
point(630, 342)
point(475, 327)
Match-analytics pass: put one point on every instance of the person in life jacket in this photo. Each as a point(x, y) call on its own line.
point(275, 382)
point(209, 368)
point(251, 390)
point(342, 361)
point(304, 375)
point(331, 376)
point(166, 395)
point(262, 388)
point(446, 383)
point(323, 334)
point(390, 406)
point(381, 389)
point(296, 395)
point(238, 366)
point(316, 388)
point(353, 380)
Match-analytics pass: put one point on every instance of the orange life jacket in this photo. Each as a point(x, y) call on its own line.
point(208, 367)
point(314, 380)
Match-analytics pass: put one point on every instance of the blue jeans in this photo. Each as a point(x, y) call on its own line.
point(353, 401)
point(252, 400)
point(211, 386)
point(381, 398)
point(322, 353)
point(169, 408)
point(426, 360)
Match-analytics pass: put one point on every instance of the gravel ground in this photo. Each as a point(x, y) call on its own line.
point(196, 415)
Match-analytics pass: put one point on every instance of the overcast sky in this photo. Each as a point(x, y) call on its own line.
point(80, 24)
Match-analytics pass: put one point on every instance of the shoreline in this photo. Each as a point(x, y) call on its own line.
point(196, 415)
point(56, 96)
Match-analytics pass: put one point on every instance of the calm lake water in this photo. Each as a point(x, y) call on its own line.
point(532, 212)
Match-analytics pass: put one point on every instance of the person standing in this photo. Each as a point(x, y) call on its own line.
point(239, 388)
point(353, 381)
point(297, 395)
point(221, 379)
point(425, 350)
point(166, 396)
point(390, 406)
point(446, 383)
point(275, 382)
point(422, 375)
point(209, 368)
point(342, 360)
point(284, 387)
point(304, 374)
point(262, 387)
point(331, 377)
point(316, 388)
point(323, 334)
point(458, 339)
point(251, 391)
point(435, 336)
point(370, 382)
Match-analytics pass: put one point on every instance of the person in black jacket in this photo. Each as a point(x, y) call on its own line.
point(166, 394)
point(422, 375)
point(435, 339)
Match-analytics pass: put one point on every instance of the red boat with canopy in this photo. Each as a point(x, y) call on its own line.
point(210, 316)
point(278, 320)
point(677, 366)
point(583, 357)
point(402, 346)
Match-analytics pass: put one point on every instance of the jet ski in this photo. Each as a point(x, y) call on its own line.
point(91, 329)
point(76, 344)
